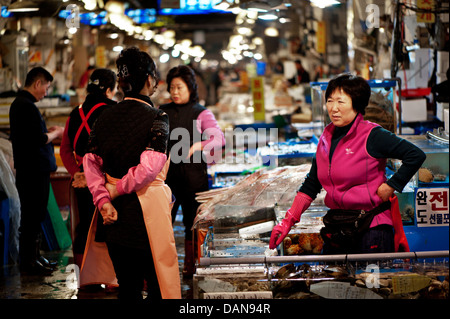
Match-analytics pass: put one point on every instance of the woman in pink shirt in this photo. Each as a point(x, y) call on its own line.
point(194, 137)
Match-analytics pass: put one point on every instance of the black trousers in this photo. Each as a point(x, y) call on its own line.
point(86, 210)
point(132, 267)
point(33, 188)
point(378, 239)
point(185, 181)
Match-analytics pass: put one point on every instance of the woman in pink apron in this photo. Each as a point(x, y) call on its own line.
point(132, 239)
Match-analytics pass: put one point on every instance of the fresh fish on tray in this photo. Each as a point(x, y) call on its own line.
point(264, 188)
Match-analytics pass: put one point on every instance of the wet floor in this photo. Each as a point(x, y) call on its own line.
point(60, 285)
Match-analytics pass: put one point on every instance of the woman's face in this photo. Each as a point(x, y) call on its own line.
point(111, 93)
point(340, 108)
point(179, 91)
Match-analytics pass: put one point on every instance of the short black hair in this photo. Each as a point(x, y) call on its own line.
point(354, 86)
point(37, 73)
point(187, 74)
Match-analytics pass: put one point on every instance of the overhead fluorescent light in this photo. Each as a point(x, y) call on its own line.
point(267, 16)
point(256, 5)
point(118, 48)
point(23, 6)
point(222, 5)
point(324, 3)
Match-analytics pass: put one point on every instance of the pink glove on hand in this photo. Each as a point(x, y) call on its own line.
point(300, 204)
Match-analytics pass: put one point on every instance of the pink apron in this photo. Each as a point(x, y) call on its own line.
point(156, 202)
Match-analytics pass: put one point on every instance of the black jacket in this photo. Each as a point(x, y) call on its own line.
point(75, 120)
point(28, 136)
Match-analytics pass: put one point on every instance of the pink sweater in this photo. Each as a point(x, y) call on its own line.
point(207, 125)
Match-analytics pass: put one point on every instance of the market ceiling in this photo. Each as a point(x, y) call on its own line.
point(184, 14)
point(198, 20)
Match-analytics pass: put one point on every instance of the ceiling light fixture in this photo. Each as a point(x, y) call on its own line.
point(23, 6)
point(324, 3)
point(260, 5)
point(222, 5)
point(271, 32)
point(254, 5)
point(90, 4)
point(268, 16)
point(115, 7)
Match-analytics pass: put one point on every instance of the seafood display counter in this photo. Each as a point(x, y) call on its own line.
point(424, 202)
point(292, 152)
point(414, 275)
point(236, 263)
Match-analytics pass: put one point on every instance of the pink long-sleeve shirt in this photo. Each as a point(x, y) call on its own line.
point(207, 125)
point(151, 163)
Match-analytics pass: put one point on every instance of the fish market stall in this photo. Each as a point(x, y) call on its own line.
point(412, 275)
point(236, 262)
point(263, 189)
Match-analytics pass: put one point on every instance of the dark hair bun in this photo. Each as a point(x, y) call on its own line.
point(100, 80)
point(134, 66)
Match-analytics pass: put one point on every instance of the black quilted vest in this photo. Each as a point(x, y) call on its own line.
point(183, 177)
point(121, 134)
point(182, 116)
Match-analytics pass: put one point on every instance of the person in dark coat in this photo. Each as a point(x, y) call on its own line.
point(188, 121)
point(34, 160)
point(128, 148)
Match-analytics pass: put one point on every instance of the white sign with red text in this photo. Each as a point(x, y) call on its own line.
point(432, 207)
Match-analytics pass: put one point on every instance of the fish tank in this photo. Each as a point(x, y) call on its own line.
point(365, 276)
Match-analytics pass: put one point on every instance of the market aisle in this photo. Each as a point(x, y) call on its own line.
point(13, 285)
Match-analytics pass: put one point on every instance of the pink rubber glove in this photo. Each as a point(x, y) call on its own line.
point(300, 204)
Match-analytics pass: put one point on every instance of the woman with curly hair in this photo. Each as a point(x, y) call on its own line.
point(128, 145)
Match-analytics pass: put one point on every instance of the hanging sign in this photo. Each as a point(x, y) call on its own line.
point(259, 112)
point(432, 207)
point(427, 17)
point(321, 37)
point(100, 56)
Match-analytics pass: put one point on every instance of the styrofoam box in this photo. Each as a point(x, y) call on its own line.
point(440, 107)
point(446, 120)
point(441, 77)
point(414, 110)
point(442, 62)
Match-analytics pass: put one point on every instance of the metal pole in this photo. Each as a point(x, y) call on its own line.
point(396, 41)
point(206, 261)
point(399, 83)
